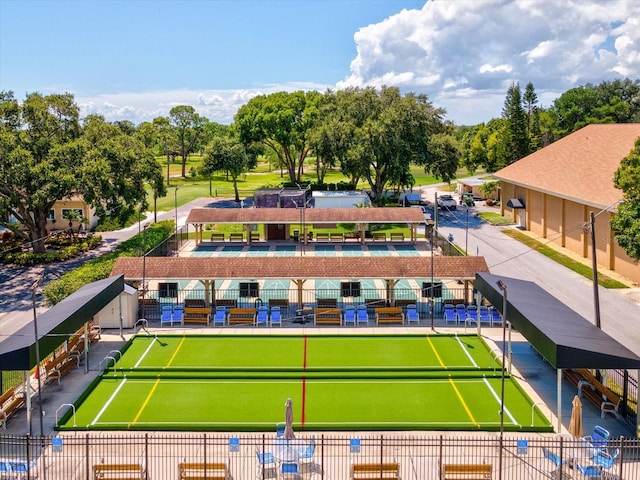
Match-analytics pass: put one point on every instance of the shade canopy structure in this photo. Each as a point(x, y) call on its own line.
point(563, 337)
point(18, 352)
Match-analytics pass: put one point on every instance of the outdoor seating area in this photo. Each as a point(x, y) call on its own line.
point(589, 387)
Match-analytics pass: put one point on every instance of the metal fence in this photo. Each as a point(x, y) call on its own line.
point(416, 457)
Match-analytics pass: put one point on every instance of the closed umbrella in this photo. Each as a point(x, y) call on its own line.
point(575, 425)
point(288, 418)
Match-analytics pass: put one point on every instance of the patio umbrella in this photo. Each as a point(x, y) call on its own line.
point(575, 425)
point(288, 419)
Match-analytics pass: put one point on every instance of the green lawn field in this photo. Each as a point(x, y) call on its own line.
point(336, 382)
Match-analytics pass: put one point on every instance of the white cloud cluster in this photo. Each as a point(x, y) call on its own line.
point(470, 51)
point(462, 54)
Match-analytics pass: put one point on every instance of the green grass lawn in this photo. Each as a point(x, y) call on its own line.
point(337, 382)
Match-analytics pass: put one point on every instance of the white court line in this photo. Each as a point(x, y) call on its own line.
point(466, 352)
point(497, 397)
point(108, 402)
point(144, 354)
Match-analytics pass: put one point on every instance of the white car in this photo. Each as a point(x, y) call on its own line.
point(447, 202)
point(425, 211)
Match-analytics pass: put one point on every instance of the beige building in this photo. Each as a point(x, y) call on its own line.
point(83, 217)
point(552, 192)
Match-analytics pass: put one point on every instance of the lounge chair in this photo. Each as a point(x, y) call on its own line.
point(472, 314)
point(220, 317)
point(606, 459)
point(483, 315)
point(349, 315)
point(599, 439)
point(275, 317)
point(412, 314)
point(166, 316)
point(262, 317)
point(558, 463)
point(461, 312)
point(362, 316)
point(494, 315)
point(450, 314)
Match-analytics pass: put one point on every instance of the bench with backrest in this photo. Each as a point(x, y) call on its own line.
point(467, 471)
point(236, 237)
point(379, 236)
point(389, 315)
point(327, 316)
point(397, 237)
point(375, 471)
point(322, 237)
point(337, 237)
point(202, 471)
point(217, 237)
point(598, 394)
point(241, 316)
point(10, 403)
point(121, 471)
point(196, 315)
point(59, 366)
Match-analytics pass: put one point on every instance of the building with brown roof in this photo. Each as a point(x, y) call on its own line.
point(553, 191)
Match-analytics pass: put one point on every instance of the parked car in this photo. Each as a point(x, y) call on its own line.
point(425, 211)
point(446, 202)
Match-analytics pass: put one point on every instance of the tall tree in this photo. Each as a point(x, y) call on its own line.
point(188, 127)
point(626, 223)
point(228, 154)
point(282, 122)
point(515, 135)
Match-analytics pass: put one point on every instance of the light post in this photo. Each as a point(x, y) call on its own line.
point(37, 345)
point(502, 287)
point(175, 200)
point(144, 260)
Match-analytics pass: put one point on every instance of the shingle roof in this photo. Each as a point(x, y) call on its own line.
point(578, 167)
point(312, 215)
point(299, 267)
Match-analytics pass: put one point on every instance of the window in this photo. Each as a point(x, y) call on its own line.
point(51, 215)
point(249, 289)
point(78, 212)
point(432, 289)
point(350, 289)
point(168, 290)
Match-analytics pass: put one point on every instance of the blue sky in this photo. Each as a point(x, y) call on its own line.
point(134, 60)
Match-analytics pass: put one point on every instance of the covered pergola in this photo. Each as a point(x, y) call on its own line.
point(298, 269)
point(563, 338)
point(274, 219)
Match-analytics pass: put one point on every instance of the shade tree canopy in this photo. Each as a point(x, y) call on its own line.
point(626, 223)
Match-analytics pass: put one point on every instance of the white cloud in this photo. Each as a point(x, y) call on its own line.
point(462, 54)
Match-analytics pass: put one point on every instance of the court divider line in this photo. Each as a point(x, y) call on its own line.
point(108, 402)
point(175, 353)
point(453, 385)
point(497, 397)
point(146, 401)
point(469, 356)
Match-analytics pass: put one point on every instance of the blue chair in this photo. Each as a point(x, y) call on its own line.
point(280, 429)
point(275, 317)
point(289, 469)
point(166, 316)
point(605, 459)
point(362, 316)
point(262, 318)
point(23, 469)
point(349, 315)
point(450, 314)
point(589, 471)
point(266, 467)
point(599, 439)
point(483, 315)
point(178, 313)
point(555, 459)
point(306, 453)
point(461, 312)
point(5, 470)
point(220, 317)
point(412, 314)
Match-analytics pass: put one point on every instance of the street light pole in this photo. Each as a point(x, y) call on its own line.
point(502, 287)
point(144, 261)
point(37, 345)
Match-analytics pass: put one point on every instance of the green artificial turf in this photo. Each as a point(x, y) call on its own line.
point(336, 382)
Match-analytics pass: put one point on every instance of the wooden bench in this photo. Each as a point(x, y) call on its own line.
point(352, 236)
point(379, 236)
point(468, 471)
point(198, 315)
point(327, 316)
point(322, 237)
point(58, 366)
point(10, 403)
point(241, 316)
point(397, 237)
point(236, 237)
point(217, 237)
point(591, 388)
point(336, 237)
point(375, 471)
point(121, 471)
point(204, 471)
point(389, 315)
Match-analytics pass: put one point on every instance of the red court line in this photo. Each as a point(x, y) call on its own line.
point(304, 383)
